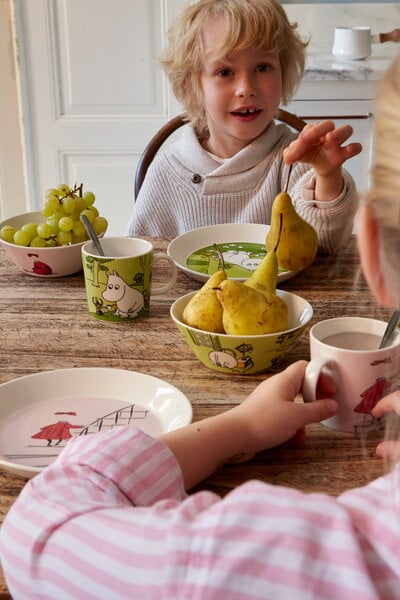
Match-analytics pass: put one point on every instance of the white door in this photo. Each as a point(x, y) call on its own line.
point(92, 94)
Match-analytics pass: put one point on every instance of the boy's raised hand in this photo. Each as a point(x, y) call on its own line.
point(321, 145)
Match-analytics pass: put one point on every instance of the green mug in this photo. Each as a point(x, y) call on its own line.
point(119, 284)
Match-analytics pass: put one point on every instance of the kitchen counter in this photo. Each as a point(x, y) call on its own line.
point(324, 67)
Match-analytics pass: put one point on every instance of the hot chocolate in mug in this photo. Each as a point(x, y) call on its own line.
point(346, 350)
point(119, 285)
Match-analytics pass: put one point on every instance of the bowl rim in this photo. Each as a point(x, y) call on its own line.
point(308, 310)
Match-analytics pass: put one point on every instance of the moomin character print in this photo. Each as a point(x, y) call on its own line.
point(128, 300)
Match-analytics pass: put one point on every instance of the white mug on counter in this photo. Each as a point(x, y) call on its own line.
point(352, 43)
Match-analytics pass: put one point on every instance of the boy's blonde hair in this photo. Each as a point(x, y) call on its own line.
point(383, 197)
point(248, 23)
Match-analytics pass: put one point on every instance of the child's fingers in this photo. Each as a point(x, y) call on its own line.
point(388, 449)
point(389, 403)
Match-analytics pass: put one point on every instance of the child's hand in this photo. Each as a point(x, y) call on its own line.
point(271, 414)
point(391, 403)
point(321, 145)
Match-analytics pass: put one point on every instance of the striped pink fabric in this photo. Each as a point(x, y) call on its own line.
point(110, 520)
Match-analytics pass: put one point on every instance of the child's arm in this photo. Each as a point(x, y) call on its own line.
point(267, 418)
point(321, 145)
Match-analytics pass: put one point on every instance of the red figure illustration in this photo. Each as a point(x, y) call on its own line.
point(57, 431)
point(371, 395)
point(39, 267)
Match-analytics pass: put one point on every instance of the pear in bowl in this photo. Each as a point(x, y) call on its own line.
point(244, 354)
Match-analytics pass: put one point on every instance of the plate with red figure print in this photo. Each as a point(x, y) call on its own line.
point(242, 246)
point(39, 413)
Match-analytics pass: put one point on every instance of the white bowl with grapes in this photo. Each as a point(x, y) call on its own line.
point(48, 243)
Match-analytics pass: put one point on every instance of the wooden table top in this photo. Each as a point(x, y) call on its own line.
point(45, 325)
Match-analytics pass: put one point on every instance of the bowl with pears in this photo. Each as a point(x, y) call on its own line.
point(242, 327)
point(48, 243)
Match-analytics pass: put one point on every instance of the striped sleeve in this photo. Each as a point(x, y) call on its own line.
point(109, 519)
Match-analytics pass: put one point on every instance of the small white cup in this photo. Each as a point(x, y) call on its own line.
point(362, 376)
point(352, 43)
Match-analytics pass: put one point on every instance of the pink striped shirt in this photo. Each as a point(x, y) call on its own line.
point(110, 519)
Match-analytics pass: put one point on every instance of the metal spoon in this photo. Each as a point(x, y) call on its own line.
point(390, 329)
point(92, 234)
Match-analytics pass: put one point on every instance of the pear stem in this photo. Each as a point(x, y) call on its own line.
point(288, 177)
point(221, 257)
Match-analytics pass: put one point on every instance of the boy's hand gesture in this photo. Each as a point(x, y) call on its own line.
point(321, 145)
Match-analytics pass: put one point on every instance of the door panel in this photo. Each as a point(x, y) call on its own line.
point(92, 94)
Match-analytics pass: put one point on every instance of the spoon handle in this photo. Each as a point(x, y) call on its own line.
point(391, 326)
point(92, 234)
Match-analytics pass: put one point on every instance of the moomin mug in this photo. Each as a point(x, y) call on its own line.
point(119, 284)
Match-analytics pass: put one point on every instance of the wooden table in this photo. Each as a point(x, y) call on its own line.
point(45, 325)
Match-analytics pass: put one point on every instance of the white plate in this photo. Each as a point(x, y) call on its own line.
point(56, 405)
point(242, 245)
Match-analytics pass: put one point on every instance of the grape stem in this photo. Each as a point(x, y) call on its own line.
point(77, 188)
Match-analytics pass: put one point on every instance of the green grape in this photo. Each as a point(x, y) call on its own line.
point(31, 229)
point(80, 204)
point(44, 230)
point(52, 222)
point(78, 239)
point(38, 242)
point(60, 212)
point(78, 229)
point(21, 238)
point(64, 238)
point(94, 210)
point(51, 243)
point(51, 192)
point(64, 189)
point(65, 224)
point(51, 204)
point(89, 198)
point(69, 204)
point(7, 233)
point(90, 215)
point(100, 225)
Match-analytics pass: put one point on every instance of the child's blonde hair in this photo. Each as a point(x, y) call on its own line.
point(247, 23)
point(383, 197)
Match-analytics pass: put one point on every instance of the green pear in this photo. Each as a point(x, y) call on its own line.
point(298, 243)
point(264, 280)
point(265, 277)
point(246, 311)
point(204, 310)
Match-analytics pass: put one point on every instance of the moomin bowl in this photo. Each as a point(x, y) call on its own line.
point(239, 353)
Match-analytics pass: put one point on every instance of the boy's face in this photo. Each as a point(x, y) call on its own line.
point(241, 94)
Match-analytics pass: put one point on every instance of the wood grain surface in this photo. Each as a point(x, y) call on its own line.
point(45, 325)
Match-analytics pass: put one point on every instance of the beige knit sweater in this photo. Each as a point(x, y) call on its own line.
point(186, 188)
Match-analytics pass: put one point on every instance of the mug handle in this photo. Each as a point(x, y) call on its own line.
point(312, 375)
point(164, 288)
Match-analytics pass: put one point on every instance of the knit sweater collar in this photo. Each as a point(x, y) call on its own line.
point(191, 154)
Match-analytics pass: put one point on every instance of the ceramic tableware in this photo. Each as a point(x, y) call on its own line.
point(119, 284)
point(347, 350)
point(242, 246)
point(242, 354)
point(39, 413)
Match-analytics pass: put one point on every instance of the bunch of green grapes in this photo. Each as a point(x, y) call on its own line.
point(63, 209)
